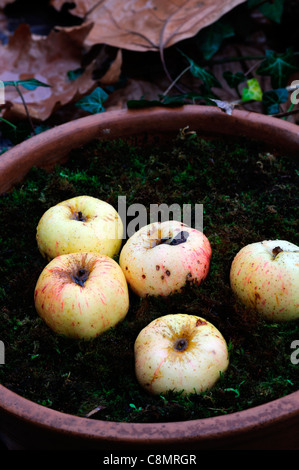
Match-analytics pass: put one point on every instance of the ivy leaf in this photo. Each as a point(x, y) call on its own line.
point(93, 103)
point(210, 39)
point(273, 98)
point(73, 74)
point(165, 101)
point(208, 78)
point(271, 9)
point(29, 84)
point(234, 79)
point(253, 92)
point(279, 67)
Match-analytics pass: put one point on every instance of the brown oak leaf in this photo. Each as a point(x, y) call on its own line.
point(47, 59)
point(144, 25)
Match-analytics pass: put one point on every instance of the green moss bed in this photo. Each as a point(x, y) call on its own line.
point(247, 194)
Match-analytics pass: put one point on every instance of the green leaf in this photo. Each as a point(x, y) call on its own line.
point(234, 79)
point(73, 74)
point(29, 84)
point(93, 102)
point(279, 67)
point(164, 101)
point(208, 78)
point(253, 92)
point(210, 39)
point(272, 9)
point(273, 98)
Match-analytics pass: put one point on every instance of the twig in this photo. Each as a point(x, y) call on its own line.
point(176, 80)
point(172, 82)
point(25, 106)
point(287, 113)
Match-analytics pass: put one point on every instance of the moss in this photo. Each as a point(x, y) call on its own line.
point(247, 195)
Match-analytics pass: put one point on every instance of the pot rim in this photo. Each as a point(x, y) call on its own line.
point(281, 135)
point(206, 429)
point(210, 120)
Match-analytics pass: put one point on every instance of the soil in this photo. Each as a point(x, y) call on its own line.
point(248, 195)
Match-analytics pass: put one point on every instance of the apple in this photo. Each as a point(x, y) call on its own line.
point(81, 295)
point(179, 352)
point(81, 224)
point(265, 276)
point(160, 258)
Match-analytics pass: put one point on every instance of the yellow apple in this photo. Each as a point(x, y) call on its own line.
point(265, 276)
point(180, 352)
point(162, 257)
point(81, 295)
point(81, 224)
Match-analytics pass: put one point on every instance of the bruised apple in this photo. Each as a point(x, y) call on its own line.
point(81, 295)
point(179, 352)
point(265, 276)
point(162, 257)
point(81, 224)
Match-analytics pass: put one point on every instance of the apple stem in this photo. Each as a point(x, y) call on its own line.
point(80, 217)
point(80, 277)
point(276, 250)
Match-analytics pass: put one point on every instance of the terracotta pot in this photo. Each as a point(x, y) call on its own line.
point(26, 425)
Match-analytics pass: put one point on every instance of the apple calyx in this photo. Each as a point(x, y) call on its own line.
point(81, 276)
point(181, 344)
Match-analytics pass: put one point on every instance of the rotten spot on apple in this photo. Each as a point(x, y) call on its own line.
point(163, 251)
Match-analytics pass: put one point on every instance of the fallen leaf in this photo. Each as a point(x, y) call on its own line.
point(93, 103)
point(145, 25)
point(133, 90)
point(3, 3)
point(47, 59)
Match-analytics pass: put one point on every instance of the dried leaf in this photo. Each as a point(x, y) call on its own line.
point(47, 59)
point(225, 105)
point(143, 25)
point(133, 90)
point(3, 3)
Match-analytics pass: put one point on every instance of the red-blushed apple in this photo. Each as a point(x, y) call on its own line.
point(162, 257)
point(80, 224)
point(180, 352)
point(265, 276)
point(81, 295)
